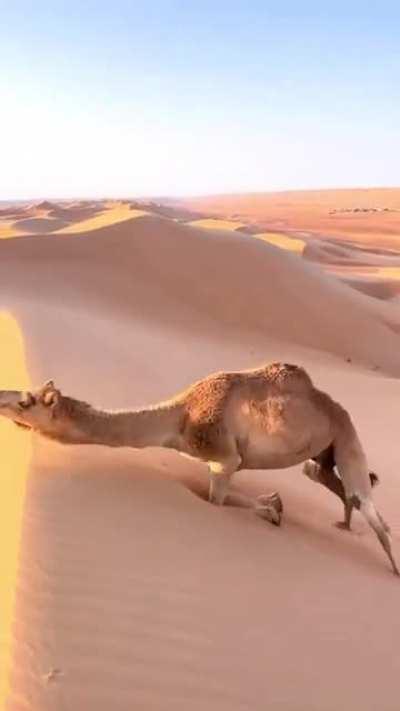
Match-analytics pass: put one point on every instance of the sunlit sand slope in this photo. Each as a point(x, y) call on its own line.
point(211, 224)
point(15, 454)
point(283, 241)
point(109, 216)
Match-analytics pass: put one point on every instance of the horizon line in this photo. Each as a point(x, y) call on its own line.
point(180, 196)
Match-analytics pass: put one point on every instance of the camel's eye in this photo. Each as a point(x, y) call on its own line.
point(27, 401)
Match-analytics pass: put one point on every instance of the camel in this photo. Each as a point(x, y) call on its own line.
point(272, 417)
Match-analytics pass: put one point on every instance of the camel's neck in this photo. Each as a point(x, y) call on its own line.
point(155, 426)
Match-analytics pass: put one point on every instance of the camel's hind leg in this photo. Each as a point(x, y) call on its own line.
point(356, 479)
point(321, 470)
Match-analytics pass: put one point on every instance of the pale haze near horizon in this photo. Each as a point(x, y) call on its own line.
point(123, 99)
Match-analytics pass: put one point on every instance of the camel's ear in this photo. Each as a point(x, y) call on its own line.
point(48, 394)
point(51, 398)
point(44, 393)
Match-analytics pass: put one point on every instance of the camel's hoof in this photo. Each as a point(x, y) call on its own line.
point(269, 507)
point(271, 500)
point(268, 513)
point(342, 525)
point(374, 479)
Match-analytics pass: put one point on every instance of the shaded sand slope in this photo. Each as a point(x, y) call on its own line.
point(134, 593)
point(374, 271)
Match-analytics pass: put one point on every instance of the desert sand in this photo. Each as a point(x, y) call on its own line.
point(124, 588)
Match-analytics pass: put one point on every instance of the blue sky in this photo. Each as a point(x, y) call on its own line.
point(137, 98)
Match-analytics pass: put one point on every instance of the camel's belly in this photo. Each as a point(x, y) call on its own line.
point(271, 457)
point(276, 452)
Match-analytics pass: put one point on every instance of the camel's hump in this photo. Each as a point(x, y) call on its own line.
point(207, 398)
point(287, 375)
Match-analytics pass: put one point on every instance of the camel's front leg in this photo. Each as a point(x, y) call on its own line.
point(220, 476)
point(268, 507)
point(219, 486)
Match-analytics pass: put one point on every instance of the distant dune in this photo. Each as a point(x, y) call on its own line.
point(314, 210)
point(350, 227)
point(125, 589)
point(47, 217)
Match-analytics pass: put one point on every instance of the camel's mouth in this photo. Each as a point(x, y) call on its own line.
point(22, 424)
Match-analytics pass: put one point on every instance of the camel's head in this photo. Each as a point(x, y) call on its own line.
point(34, 410)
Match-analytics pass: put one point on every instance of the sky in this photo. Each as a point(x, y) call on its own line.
point(168, 97)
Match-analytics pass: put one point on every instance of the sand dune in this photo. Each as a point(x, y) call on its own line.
point(170, 260)
point(132, 591)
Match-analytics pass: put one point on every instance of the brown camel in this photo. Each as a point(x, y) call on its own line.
point(269, 418)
